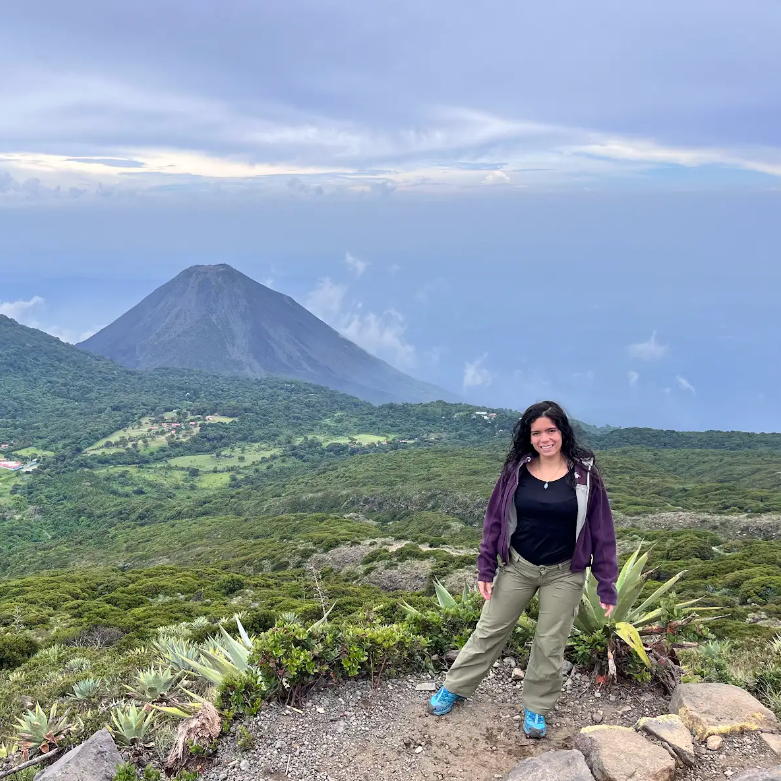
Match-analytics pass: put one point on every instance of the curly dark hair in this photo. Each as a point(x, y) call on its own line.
point(571, 449)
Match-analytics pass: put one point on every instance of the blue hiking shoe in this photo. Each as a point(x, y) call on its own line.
point(533, 725)
point(443, 701)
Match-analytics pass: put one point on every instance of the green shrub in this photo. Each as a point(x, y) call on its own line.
point(760, 590)
point(16, 649)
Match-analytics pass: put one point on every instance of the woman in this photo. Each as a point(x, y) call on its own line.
point(548, 519)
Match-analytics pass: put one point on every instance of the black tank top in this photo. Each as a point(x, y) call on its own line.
point(547, 519)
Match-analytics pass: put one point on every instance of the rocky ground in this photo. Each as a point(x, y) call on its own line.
point(354, 732)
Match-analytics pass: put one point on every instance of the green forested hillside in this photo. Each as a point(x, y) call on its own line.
point(173, 496)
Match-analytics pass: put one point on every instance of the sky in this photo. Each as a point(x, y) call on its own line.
point(512, 200)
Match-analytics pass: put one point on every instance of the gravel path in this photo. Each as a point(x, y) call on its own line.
point(353, 732)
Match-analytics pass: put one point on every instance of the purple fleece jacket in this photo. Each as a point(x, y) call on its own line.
point(596, 542)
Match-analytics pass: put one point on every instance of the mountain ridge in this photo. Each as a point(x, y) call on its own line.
point(216, 319)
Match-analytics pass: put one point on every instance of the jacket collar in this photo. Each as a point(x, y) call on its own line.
point(581, 469)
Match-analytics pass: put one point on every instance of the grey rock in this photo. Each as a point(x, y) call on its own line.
point(673, 733)
point(773, 742)
point(714, 742)
point(451, 656)
point(552, 766)
point(720, 709)
point(508, 661)
point(426, 686)
point(621, 754)
point(96, 759)
point(567, 668)
point(517, 674)
point(597, 716)
point(765, 774)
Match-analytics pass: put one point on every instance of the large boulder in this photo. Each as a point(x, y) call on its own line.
point(621, 754)
point(552, 766)
point(671, 731)
point(720, 709)
point(96, 759)
point(766, 774)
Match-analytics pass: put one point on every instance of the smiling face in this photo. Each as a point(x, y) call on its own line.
point(546, 437)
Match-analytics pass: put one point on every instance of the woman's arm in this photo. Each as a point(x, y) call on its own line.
point(604, 564)
point(492, 532)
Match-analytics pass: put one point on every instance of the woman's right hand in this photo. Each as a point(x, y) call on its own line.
point(485, 589)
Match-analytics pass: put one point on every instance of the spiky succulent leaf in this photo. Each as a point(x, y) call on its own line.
point(631, 637)
point(444, 597)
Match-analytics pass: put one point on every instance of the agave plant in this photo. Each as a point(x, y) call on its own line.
point(37, 730)
point(52, 653)
point(177, 652)
point(78, 664)
point(152, 684)
point(629, 621)
point(7, 750)
point(131, 725)
point(224, 656)
point(86, 689)
point(444, 598)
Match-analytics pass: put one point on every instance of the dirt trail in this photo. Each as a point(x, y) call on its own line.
point(354, 732)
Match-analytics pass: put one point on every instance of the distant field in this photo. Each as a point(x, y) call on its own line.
point(252, 455)
point(363, 439)
point(156, 438)
point(32, 451)
point(6, 482)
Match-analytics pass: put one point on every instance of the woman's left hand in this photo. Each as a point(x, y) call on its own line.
point(607, 608)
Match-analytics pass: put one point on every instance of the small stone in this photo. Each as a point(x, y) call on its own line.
point(621, 754)
point(773, 742)
point(714, 742)
point(426, 686)
point(673, 733)
point(244, 765)
point(321, 710)
point(517, 674)
point(559, 765)
point(508, 661)
point(451, 656)
point(597, 716)
point(496, 663)
point(597, 694)
point(419, 750)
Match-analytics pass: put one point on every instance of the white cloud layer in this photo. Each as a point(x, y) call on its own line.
point(650, 350)
point(382, 334)
point(18, 310)
point(26, 313)
point(633, 377)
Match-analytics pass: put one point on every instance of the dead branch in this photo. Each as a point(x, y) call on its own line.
point(30, 763)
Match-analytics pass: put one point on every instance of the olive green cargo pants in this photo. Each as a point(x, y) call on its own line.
point(515, 585)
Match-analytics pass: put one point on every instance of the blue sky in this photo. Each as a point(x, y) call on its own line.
point(513, 200)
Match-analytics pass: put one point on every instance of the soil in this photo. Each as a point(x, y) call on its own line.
point(356, 732)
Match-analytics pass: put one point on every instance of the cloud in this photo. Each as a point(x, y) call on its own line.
point(18, 310)
point(25, 312)
point(497, 177)
point(633, 378)
point(326, 300)
point(684, 384)
point(650, 350)
point(356, 265)
point(383, 335)
point(476, 374)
